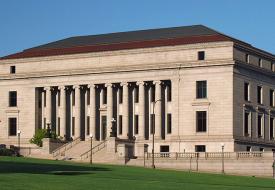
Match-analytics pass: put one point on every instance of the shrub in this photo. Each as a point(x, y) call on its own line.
point(38, 136)
point(6, 152)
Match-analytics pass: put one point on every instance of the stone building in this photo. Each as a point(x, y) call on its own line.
point(200, 89)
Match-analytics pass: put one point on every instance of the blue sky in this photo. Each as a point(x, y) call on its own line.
point(28, 23)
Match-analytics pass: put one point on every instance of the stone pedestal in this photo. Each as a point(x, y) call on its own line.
point(111, 145)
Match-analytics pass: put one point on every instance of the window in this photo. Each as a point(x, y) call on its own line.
point(45, 99)
point(260, 125)
point(164, 148)
point(136, 124)
point(44, 120)
point(88, 96)
point(136, 94)
point(73, 98)
point(201, 55)
point(271, 97)
point(152, 93)
point(247, 124)
point(120, 124)
point(12, 126)
point(12, 69)
point(58, 98)
point(246, 91)
point(88, 126)
point(259, 95)
point(271, 128)
point(201, 121)
point(248, 149)
point(261, 149)
point(273, 67)
point(260, 62)
point(169, 93)
point(104, 101)
point(169, 123)
point(152, 118)
point(246, 58)
point(200, 148)
point(73, 126)
point(120, 94)
point(58, 126)
point(201, 89)
point(12, 98)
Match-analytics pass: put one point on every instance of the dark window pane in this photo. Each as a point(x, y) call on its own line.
point(12, 69)
point(164, 148)
point(58, 126)
point(200, 148)
point(201, 89)
point(169, 123)
point(271, 97)
point(12, 98)
point(152, 123)
point(73, 126)
point(104, 95)
point(73, 98)
point(88, 126)
point(120, 94)
point(201, 55)
point(120, 125)
point(136, 95)
point(152, 93)
point(246, 124)
point(201, 121)
point(169, 93)
point(271, 125)
point(246, 91)
point(12, 126)
point(88, 97)
point(136, 124)
point(260, 126)
point(259, 94)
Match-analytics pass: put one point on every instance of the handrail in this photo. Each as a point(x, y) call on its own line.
point(65, 147)
point(97, 147)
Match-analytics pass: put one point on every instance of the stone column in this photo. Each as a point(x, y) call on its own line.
point(77, 111)
point(92, 110)
point(48, 108)
point(157, 109)
point(109, 108)
point(125, 112)
point(141, 116)
point(62, 111)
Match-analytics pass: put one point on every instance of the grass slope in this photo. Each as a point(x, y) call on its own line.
point(35, 174)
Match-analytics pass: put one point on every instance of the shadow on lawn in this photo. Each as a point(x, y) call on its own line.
point(47, 168)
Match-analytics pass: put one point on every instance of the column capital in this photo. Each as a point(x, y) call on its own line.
point(124, 83)
point(47, 88)
point(76, 86)
point(140, 83)
point(62, 87)
point(108, 85)
point(157, 82)
point(91, 85)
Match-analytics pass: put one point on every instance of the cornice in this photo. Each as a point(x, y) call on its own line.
point(84, 71)
point(119, 52)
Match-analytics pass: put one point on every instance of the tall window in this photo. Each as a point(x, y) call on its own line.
point(136, 94)
point(88, 96)
point(246, 123)
point(169, 92)
point(120, 94)
point(271, 97)
point(104, 96)
point(152, 93)
point(12, 69)
point(169, 123)
point(201, 55)
point(12, 98)
point(136, 124)
point(120, 124)
point(152, 118)
point(271, 128)
point(260, 95)
point(246, 91)
point(88, 126)
point(201, 89)
point(12, 126)
point(73, 126)
point(201, 121)
point(58, 98)
point(58, 126)
point(73, 98)
point(260, 125)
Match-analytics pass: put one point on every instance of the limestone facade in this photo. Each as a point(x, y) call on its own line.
point(91, 93)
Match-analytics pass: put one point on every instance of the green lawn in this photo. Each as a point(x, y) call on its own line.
point(35, 174)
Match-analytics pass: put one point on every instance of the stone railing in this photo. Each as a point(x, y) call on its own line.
point(61, 150)
point(211, 155)
point(95, 149)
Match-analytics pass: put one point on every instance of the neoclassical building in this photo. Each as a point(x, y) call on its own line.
point(198, 87)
